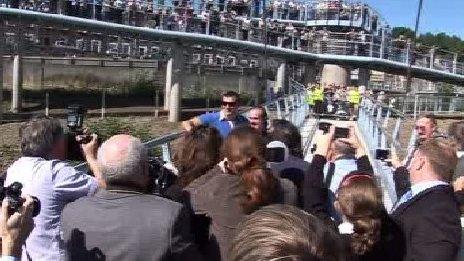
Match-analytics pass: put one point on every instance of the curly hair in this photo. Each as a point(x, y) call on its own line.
point(360, 201)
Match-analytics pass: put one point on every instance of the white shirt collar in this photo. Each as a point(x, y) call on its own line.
point(421, 186)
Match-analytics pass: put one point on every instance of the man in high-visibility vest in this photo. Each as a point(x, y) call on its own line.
point(354, 98)
point(309, 97)
point(318, 97)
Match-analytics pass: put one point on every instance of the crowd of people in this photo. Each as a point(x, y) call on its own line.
point(242, 192)
point(342, 101)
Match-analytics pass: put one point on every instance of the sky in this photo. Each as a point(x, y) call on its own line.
point(437, 15)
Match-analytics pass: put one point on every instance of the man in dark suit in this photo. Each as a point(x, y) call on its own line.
point(121, 222)
point(428, 212)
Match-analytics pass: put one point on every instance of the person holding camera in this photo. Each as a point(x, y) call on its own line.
point(369, 233)
point(16, 227)
point(123, 221)
point(44, 173)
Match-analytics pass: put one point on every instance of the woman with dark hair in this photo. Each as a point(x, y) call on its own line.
point(286, 132)
point(227, 194)
point(198, 153)
point(369, 232)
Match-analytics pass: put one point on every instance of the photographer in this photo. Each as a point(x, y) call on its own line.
point(123, 222)
point(368, 231)
point(44, 174)
point(16, 227)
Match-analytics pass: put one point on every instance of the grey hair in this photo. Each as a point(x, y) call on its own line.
point(38, 136)
point(127, 172)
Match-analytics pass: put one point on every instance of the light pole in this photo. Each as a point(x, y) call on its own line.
point(411, 52)
point(264, 75)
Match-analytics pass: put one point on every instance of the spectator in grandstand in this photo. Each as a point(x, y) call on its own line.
point(286, 132)
point(16, 227)
point(369, 232)
point(224, 121)
point(44, 173)
point(428, 212)
point(121, 222)
point(258, 119)
point(228, 194)
point(282, 232)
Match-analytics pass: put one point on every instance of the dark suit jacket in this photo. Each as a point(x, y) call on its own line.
point(430, 224)
point(127, 226)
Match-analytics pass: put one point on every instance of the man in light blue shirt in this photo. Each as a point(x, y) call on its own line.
point(44, 174)
point(224, 121)
point(343, 163)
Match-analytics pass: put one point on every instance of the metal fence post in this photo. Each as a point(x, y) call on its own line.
point(47, 104)
point(279, 111)
point(103, 103)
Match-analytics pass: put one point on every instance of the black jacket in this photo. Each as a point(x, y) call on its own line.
point(430, 224)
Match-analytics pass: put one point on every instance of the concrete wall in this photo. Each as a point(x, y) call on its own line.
point(96, 77)
point(334, 74)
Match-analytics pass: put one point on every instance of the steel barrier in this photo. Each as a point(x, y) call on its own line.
point(380, 128)
point(292, 108)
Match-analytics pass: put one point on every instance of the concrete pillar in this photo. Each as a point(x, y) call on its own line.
point(280, 78)
point(2, 41)
point(432, 57)
point(334, 74)
point(364, 77)
point(310, 73)
point(17, 84)
point(455, 63)
point(167, 89)
point(177, 55)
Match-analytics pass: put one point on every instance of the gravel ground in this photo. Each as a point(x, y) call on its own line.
point(142, 127)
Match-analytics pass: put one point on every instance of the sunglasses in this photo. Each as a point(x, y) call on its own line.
point(231, 104)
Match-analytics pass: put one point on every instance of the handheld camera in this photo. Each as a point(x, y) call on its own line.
point(13, 195)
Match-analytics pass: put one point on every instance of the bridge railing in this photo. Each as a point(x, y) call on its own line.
point(322, 42)
point(384, 127)
point(292, 108)
point(415, 105)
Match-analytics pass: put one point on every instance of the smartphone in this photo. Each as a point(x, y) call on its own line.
point(341, 132)
point(324, 127)
point(275, 154)
point(382, 154)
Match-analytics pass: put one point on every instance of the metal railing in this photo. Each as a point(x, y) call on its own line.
point(381, 127)
point(292, 108)
point(325, 50)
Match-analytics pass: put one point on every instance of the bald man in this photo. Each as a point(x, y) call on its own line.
point(121, 222)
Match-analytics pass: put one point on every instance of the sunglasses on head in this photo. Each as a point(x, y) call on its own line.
point(231, 104)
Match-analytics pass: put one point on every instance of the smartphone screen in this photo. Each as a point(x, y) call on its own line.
point(275, 154)
point(341, 132)
point(382, 154)
point(324, 127)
